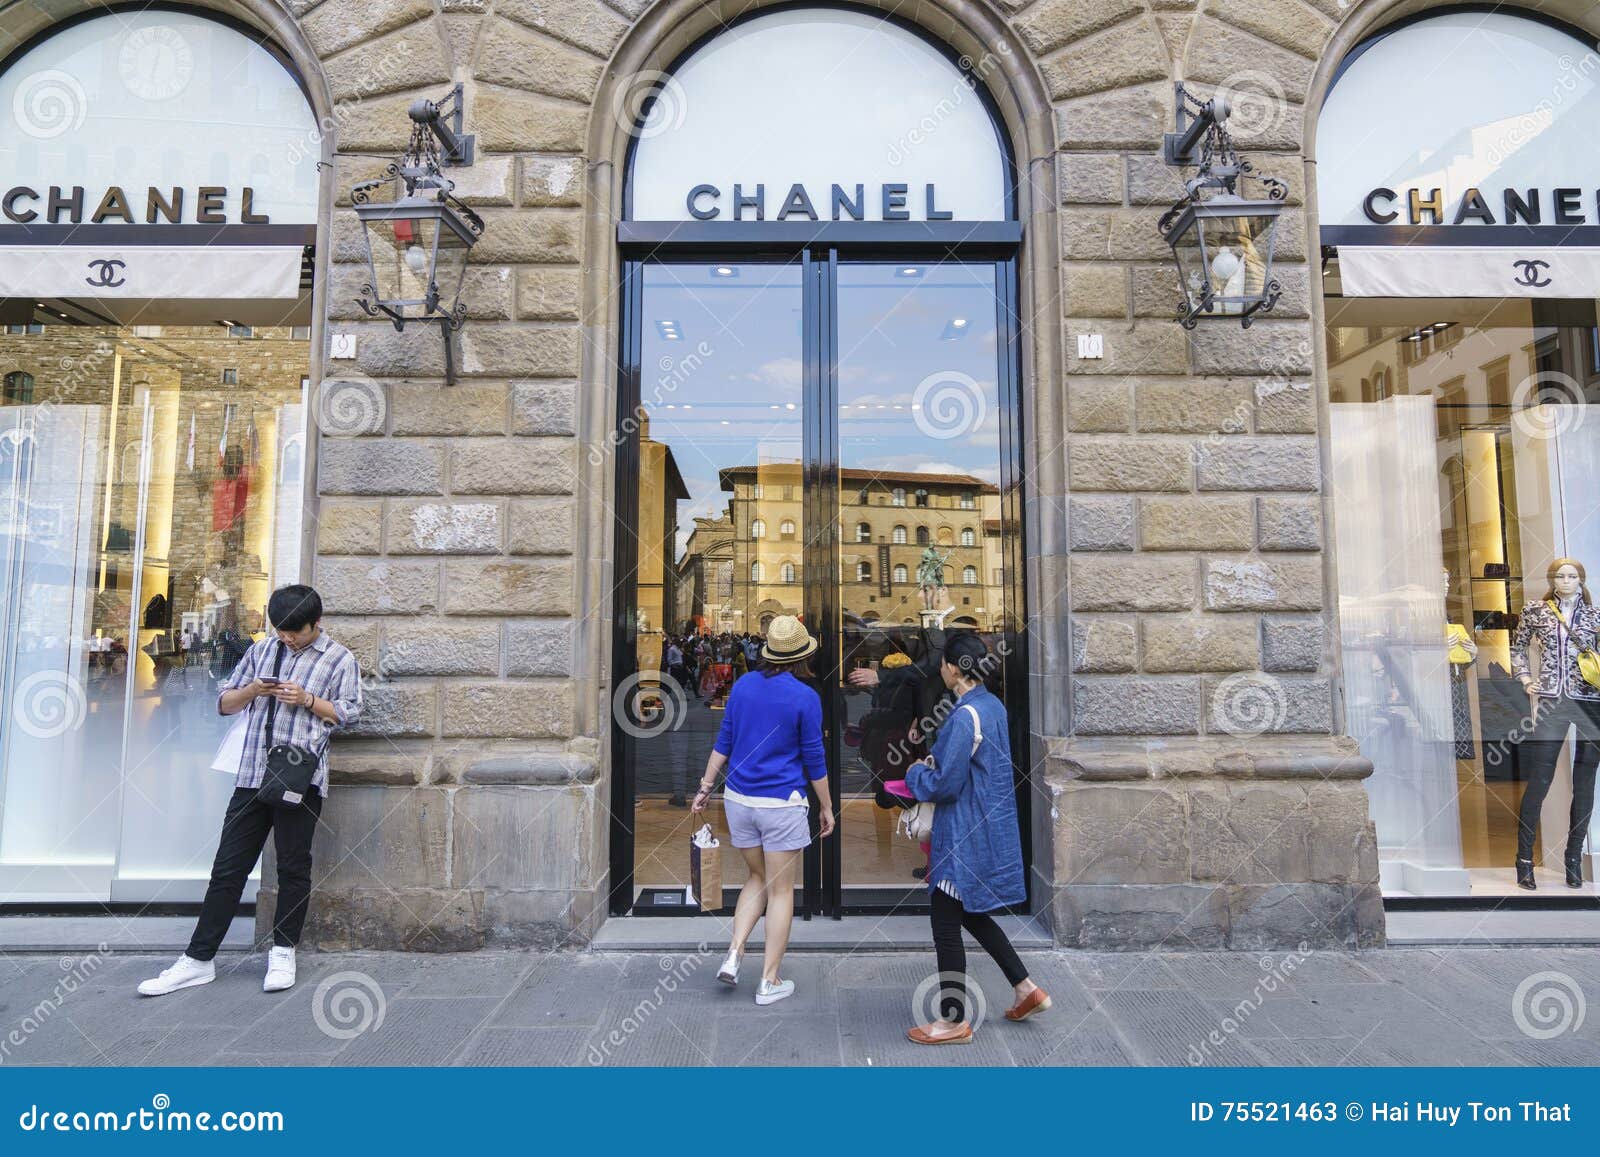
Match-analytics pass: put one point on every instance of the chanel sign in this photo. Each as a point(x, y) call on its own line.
point(57, 205)
point(1526, 206)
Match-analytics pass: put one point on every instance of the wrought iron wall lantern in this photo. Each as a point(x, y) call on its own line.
point(1221, 240)
point(417, 244)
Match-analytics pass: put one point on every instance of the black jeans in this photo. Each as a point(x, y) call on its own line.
point(244, 834)
point(949, 917)
point(1540, 753)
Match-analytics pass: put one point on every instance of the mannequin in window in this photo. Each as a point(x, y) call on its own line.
point(1462, 652)
point(1564, 624)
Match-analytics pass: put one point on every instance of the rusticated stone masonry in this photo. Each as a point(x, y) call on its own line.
point(1192, 787)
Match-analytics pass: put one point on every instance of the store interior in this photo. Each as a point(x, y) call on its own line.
point(1463, 447)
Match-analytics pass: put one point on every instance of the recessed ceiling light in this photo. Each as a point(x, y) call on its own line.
point(668, 329)
point(724, 271)
point(908, 271)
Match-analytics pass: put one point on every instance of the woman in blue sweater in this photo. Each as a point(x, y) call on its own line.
point(975, 864)
point(771, 745)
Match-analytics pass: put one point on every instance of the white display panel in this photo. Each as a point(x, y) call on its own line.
point(157, 99)
point(1460, 101)
point(818, 98)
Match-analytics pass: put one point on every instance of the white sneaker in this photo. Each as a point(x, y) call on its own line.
point(729, 972)
point(280, 970)
point(186, 973)
point(770, 993)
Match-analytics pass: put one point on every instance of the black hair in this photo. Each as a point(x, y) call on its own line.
point(295, 606)
point(968, 654)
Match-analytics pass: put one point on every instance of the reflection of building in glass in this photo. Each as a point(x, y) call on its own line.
point(661, 489)
point(747, 564)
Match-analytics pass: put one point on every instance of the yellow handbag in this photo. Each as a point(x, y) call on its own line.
point(1588, 661)
point(1456, 635)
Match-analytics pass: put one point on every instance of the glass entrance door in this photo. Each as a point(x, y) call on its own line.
point(819, 438)
point(924, 544)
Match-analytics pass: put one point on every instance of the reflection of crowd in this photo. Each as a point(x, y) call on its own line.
point(909, 699)
point(706, 665)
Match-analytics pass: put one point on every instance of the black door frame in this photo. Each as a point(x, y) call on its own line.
point(818, 249)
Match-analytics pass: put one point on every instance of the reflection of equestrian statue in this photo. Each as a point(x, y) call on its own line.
point(930, 581)
point(930, 571)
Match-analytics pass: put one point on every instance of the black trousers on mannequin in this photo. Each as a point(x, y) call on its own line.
point(1540, 753)
point(244, 834)
point(949, 917)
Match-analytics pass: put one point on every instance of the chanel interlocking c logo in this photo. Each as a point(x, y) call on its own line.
point(106, 274)
point(1528, 272)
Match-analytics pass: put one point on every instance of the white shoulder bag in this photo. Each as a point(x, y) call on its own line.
point(916, 823)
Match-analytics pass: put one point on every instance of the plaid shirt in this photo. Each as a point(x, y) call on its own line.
point(323, 667)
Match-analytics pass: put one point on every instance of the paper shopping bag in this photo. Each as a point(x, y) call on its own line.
point(705, 869)
point(231, 752)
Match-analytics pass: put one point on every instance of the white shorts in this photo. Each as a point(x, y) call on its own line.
point(773, 829)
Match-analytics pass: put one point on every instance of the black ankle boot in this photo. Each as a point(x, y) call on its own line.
point(1525, 875)
point(1574, 862)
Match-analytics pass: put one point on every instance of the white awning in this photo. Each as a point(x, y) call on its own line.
point(145, 272)
point(1468, 271)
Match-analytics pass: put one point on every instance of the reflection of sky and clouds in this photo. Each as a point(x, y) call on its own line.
point(723, 373)
point(897, 331)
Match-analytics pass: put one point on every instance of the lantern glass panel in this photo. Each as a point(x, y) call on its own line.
point(1237, 251)
point(451, 267)
point(402, 251)
point(1187, 249)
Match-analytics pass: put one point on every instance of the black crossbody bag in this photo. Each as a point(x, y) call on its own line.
point(290, 768)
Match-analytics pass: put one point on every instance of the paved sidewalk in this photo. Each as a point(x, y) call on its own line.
point(1390, 1007)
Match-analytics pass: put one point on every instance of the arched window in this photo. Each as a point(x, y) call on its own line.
point(758, 529)
point(788, 572)
point(786, 528)
point(900, 572)
point(19, 387)
point(863, 572)
point(718, 122)
point(863, 532)
point(969, 575)
point(757, 573)
point(922, 536)
point(969, 537)
point(900, 535)
point(898, 498)
point(922, 498)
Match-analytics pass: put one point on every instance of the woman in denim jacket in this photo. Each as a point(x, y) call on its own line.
point(1564, 624)
point(975, 864)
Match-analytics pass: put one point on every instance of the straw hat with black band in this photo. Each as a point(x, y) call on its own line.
point(788, 641)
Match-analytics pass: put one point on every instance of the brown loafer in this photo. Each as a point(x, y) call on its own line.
point(1036, 1001)
point(921, 1036)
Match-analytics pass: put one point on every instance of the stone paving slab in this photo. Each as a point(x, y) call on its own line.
point(1391, 1007)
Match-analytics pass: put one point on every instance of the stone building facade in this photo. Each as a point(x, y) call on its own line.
point(1179, 565)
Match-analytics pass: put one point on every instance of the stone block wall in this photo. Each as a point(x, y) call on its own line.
point(1203, 796)
point(1177, 531)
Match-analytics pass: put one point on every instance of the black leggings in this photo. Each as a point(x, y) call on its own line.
point(949, 917)
point(1541, 751)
